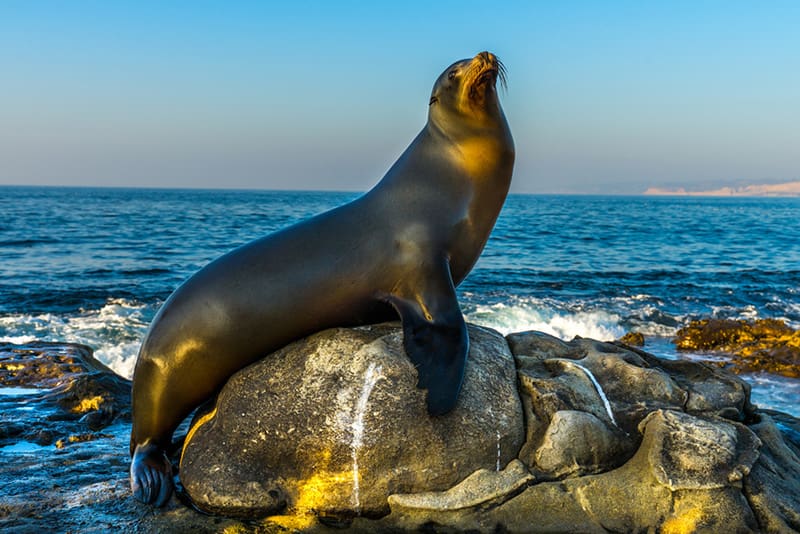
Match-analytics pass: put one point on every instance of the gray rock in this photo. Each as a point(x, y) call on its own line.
point(578, 443)
point(675, 447)
point(636, 497)
point(772, 486)
point(482, 488)
point(687, 452)
point(334, 424)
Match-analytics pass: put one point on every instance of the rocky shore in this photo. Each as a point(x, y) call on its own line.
point(330, 433)
point(764, 345)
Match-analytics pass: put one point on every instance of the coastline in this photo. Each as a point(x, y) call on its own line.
point(784, 190)
point(68, 470)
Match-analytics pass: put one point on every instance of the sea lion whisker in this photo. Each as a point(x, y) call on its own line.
point(502, 74)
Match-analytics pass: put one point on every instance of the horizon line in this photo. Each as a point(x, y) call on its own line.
point(646, 193)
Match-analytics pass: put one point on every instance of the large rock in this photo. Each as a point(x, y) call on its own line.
point(584, 400)
point(762, 345)
point(685, 477)
point(334, 424)
point(616, 440)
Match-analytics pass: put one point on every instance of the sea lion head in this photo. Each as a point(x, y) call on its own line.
point(465, 93)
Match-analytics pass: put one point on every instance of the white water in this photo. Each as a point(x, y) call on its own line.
point(371, 378)
point(113, 331)
point(530, 314)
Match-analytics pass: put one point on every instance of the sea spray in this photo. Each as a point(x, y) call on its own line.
point(522, 314)
point(114, 331)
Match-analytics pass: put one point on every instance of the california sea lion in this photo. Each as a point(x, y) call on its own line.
point(400, 249)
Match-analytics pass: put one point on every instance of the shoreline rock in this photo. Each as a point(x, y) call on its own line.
point(613, 439)
point(334, 424)
point(762, 345)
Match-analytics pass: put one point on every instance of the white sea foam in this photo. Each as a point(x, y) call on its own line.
point(525, 315)
point(114, 331)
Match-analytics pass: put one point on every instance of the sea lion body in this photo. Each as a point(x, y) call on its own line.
point(400, 249)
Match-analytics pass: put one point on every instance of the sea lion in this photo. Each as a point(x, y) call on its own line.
point(400, 249)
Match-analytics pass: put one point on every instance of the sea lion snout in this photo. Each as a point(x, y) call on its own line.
point(486, 58)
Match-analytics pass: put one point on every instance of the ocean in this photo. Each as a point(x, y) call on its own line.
point(93, 265)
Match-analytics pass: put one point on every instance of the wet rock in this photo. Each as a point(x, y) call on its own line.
point(334, 424)
point(57, 473)
point(762, 345)
point(615, 439)
point(772, 485)
point(634, 339)
point(63, 387)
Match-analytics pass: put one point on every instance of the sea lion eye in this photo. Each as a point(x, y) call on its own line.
point(451, 75)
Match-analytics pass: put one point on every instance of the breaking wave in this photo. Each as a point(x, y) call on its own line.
point(114, 331)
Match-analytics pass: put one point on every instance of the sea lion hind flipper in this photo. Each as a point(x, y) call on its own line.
point(151, 475)
point(435, 339)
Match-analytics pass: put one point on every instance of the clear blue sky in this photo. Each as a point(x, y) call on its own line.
point(602, 96)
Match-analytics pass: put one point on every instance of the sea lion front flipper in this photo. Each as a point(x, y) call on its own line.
point(435, 336)
point(151, 475)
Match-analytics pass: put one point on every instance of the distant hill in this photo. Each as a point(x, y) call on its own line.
point(788, 189)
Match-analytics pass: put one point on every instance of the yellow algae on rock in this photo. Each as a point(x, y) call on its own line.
point(760, 345)
point(685, 523)
point(88, 405)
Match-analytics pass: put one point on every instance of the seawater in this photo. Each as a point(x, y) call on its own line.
point(93, 265)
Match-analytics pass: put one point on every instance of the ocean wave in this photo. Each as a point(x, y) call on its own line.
point(531, 314)
point(114, 330)
point(27, 242)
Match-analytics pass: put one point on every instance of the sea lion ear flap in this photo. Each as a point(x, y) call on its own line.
point(435, 337)
point(433, 100)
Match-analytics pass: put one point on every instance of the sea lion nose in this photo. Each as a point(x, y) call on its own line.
point(487, 57)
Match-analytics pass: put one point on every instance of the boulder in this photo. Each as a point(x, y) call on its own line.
point(761, 345)
point(613, 439)
point(666, 486)
point(619, 386)
point(334, 424)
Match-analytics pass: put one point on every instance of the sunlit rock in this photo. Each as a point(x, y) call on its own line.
point(334, 432)
point(762, 345)
point(334, 424)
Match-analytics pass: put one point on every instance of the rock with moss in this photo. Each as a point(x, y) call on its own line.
point(763, 345)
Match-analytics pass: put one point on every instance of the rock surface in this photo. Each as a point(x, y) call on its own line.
point(334, 424)
point(64, 434)
point(614, 439)
point(763, 345)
